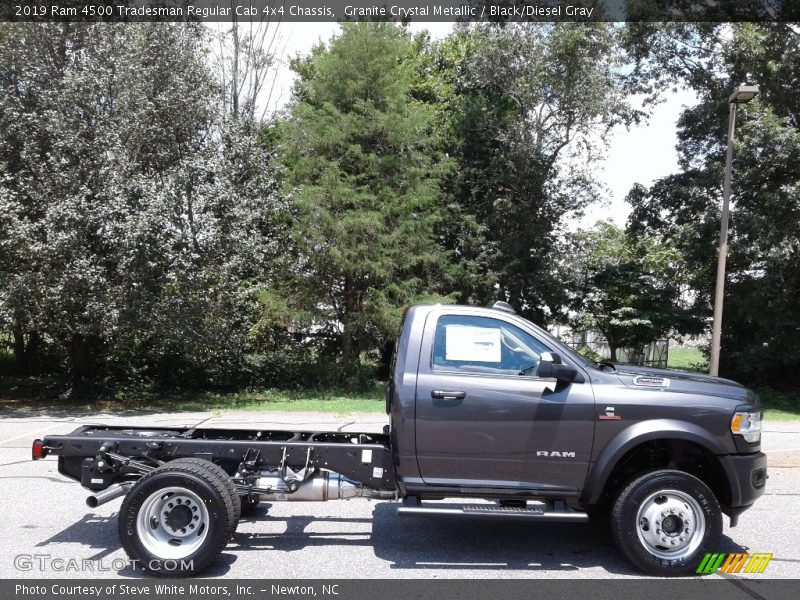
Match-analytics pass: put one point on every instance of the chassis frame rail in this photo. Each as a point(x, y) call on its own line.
point(363, 457)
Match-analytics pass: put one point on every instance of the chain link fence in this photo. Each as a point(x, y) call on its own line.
point(654, 354)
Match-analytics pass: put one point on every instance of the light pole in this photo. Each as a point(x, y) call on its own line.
point(742, 94)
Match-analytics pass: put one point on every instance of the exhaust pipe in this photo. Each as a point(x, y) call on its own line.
point(318, 488)
point(109, 494)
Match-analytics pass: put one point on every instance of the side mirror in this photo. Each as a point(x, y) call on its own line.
point(550, 366)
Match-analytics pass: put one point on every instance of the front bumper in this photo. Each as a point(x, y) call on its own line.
point(747, 475)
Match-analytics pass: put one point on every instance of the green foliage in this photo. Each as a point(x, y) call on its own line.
point(627, 288)
point(589, 354)
point(779, 406)
point(137, 221)
point(687, 359)
point(522, 108)
point(154, 233)
point(363, 167)
point(760, 323)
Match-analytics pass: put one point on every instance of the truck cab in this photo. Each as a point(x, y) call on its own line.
point(470, 410)
point(486, 404)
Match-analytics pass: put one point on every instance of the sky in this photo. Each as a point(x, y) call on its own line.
point(639, 155)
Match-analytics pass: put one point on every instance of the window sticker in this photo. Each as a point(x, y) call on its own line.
point(473, 344)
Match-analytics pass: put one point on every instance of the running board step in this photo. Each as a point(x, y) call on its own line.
point(533, 513)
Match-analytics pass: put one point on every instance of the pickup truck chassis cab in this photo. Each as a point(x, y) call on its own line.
point(484, 405)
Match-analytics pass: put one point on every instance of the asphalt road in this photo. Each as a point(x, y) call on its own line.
point(46, 522)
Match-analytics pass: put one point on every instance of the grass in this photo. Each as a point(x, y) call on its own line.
point(325, 401)
point(778, 406)
point(687, 359)
point(340, 403)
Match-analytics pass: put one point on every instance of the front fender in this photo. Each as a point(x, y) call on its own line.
point(644, 431)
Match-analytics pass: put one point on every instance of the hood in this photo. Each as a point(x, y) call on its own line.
point(683, 382)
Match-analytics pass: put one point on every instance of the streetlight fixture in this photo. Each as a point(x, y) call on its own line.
point(742, 94)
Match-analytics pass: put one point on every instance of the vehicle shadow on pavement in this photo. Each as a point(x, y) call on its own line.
point(295, 536)
point(422, 542)
point(405, 542)
point(100, 533)
point(96, 532)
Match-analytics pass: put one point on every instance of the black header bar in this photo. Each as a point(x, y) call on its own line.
point(697, 588)
point(399, 10)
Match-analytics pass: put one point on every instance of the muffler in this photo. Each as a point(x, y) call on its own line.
point(323, 486)
point(109, 494)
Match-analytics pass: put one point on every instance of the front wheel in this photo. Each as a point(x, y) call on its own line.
point(664, 522)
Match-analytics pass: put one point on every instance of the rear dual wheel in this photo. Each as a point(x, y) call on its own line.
point(221, 474)
point(178, 518)
point(242, 505)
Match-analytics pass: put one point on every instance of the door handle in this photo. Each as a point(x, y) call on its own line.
point(448, 395)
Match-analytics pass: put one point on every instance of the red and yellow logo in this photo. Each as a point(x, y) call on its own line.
point(741, 562)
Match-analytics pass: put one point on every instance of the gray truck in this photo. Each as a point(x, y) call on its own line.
point(490, 414)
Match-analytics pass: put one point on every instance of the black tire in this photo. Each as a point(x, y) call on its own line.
point(223, 476)
point(201, 490)
point(634, 532)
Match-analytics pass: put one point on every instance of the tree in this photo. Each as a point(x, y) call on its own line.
point(760, 323)
point(627, 288)
point(362, 163)
point(246, 57)
point(140, 223)
point(525, 109)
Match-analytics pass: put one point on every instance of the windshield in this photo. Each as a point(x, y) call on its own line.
point(560, 346)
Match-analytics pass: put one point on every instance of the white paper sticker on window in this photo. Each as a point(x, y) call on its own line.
point(474, 344)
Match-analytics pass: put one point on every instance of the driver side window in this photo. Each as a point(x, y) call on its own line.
point(471, 344)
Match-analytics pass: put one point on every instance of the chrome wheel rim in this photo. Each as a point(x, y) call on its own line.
point(670, 525)
point(172, 523)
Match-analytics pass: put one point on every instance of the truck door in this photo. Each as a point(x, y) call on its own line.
point(483, 416)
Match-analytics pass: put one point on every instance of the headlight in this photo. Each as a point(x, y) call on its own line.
point(748, 425)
